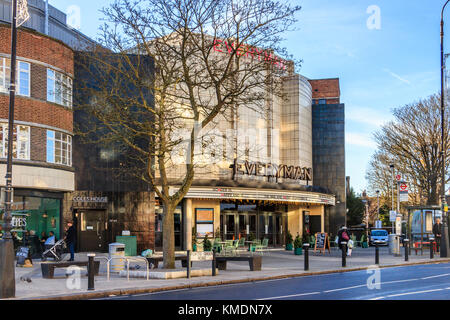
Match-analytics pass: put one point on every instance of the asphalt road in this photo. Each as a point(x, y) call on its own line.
point(421, 282)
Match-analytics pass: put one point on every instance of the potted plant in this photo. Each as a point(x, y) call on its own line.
point(194, 240)
point(289, 241)
point(298, 245)
point(364, 243)
point(207, 245)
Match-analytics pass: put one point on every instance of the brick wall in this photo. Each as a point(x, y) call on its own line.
point(326, 89)
point(33, 45)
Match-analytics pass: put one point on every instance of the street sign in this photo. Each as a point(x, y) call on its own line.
point(378, 224)
point(398, 224)
point(392, 215)
point(403, 187)
point(398, 177)
point(403, 191)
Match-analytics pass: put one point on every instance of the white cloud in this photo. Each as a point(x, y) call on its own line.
point(360, 139)
point(397, 76)
point(375, 118)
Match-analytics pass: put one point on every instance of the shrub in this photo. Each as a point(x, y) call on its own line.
point(207, 245)
point(289, 238)
point(298, 242)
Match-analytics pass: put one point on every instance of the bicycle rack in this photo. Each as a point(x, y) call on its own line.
point(136, 259)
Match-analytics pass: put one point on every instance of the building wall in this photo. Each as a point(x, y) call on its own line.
point(329, 158)
point(34, 111)
point(326, 89)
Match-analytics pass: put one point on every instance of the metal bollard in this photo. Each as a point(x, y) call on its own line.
point(431, 248)
point(377, 252)
point(91, 271)
point(213, 263)
point(405, 244)
point(188, 266)
point(306, 248)
point(344, 253)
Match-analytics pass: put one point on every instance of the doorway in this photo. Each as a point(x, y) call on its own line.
point(92, 227)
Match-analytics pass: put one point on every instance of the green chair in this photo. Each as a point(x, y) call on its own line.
point(241, 243)
point(254, 244)
point(262, 246)
point(312, 241)
point(232, 248)
point(216, 245)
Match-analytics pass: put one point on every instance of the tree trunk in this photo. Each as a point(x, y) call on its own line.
point(168, 236)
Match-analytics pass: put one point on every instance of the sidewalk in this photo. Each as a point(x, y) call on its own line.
point(275, 264)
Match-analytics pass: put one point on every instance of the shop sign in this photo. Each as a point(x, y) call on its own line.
point(91, 199)
point(270, 170)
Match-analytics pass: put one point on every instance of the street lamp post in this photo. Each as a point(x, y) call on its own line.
point(378, 204)
point(392, 188)
point(7, 272)
point(444, 237)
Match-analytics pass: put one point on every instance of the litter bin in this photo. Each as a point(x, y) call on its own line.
point(394, 244)
point(117, 253)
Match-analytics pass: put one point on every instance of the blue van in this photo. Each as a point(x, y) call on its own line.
point(379, 235)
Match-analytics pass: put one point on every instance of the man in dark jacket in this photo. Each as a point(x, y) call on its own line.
point(437, 229)
point(341, 237)
point(70, 240)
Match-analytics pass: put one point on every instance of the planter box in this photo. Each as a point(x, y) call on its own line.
point(289, 247)
point(298, 251)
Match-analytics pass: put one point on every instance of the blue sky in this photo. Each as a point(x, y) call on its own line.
point(379, 69)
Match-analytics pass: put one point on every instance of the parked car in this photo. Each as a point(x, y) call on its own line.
point(379, 235)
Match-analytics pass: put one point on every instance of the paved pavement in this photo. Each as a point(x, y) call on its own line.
point(276, 264)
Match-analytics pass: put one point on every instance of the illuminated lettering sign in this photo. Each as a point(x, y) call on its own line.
point(250, 52)
point(271, 170)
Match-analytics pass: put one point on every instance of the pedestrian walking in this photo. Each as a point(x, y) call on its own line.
point(437, 230)
point(70, 239)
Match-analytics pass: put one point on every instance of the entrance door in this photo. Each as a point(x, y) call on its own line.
point(278, 237)
point(315, 224)
point(230, 226)
point(92, 230)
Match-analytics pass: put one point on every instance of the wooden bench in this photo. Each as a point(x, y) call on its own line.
point(155, 260)
point(254, 262)
point(48, 268)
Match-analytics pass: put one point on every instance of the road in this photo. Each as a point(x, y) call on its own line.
point(420, 282)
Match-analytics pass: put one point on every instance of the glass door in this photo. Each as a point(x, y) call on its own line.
point(229, 226)
point(92, 229)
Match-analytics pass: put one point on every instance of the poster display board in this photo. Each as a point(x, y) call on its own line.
point(322, 242)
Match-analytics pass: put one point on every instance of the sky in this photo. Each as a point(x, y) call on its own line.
point(386, 54)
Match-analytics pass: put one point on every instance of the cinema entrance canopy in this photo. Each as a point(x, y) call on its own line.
point(233, 209)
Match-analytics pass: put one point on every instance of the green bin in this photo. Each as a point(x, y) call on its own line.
point(130, 244)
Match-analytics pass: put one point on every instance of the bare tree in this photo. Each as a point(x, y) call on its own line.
point(413, 142)
point(210, 58)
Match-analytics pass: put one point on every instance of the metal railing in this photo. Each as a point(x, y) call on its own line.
point(136, 259)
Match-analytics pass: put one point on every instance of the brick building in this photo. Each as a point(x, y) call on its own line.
point(43, 174)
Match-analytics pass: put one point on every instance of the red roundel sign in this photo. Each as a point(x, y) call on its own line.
point(404, 187)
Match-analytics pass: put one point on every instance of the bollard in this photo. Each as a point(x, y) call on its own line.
point(306, 248)
point(405, 244)
point(91, 271)
point(431, 248)
point(213, 263)
point(188, 267)
point(344, 253)
point(377, 253)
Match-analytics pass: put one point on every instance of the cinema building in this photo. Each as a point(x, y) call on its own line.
point(266, 173)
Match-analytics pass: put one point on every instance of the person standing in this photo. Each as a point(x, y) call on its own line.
point(437, 229)
point(343, 237)
point(70, 240)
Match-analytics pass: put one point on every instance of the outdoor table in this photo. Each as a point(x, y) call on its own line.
point(222, 243)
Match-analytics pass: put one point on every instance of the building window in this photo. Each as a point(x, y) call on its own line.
point(21, 142)
point(59, 88)
point(59, 148)
point(22, 75)
point(322, 101)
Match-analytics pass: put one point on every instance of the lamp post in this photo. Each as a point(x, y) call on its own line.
point(378, 204)
point(7, 272)
point(444, 237)
point(392, 188)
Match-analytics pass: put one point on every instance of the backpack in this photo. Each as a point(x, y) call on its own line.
point(345, 236)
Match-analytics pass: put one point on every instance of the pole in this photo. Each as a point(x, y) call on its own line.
point(213, 263)
point(377, 253)
point(91, 271)
point(306, 247)
point(7, 272)
point(405, 244)
point(392, 187)
point(344, 253)
point(378, 204)
point(398, 198)
point(431, 248)
point(444, 233)
point(188, 267)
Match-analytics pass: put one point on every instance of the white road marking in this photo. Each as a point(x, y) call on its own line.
point(348, 288)
point(438, 276)
point(290, 296)
point(409, 293)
